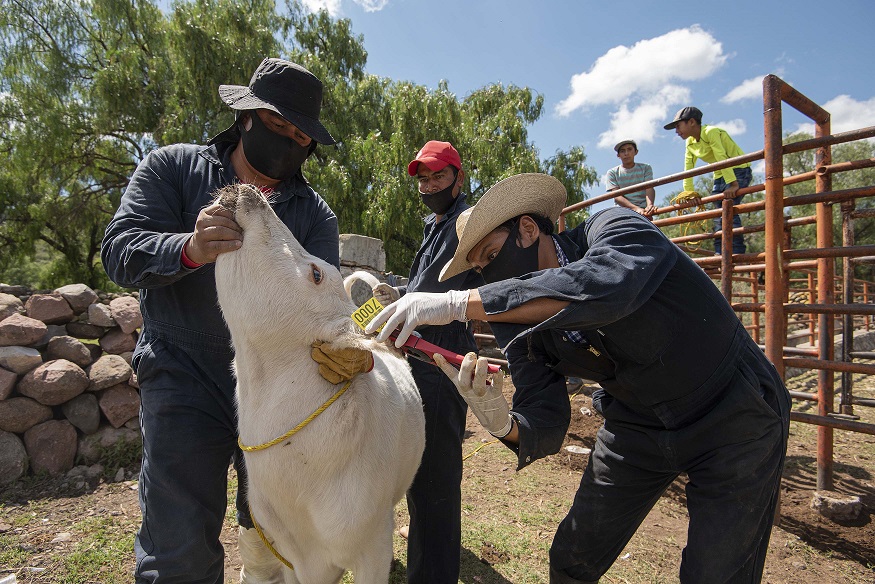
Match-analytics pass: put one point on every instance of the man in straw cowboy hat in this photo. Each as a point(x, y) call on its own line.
point(164, 239)
point(684, 389)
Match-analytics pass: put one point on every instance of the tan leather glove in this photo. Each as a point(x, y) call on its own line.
point(385, 294)
point(339, 365)
point(485, 399)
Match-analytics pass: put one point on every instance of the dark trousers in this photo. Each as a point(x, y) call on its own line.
point(733, 456)
point(744, 177)
point(189, 428)
point(434, 500)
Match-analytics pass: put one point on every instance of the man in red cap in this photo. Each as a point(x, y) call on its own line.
point(435, 497)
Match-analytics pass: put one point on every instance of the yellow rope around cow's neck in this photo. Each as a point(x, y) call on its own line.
point(263, 537)
point(300, 426)
point(288, 434)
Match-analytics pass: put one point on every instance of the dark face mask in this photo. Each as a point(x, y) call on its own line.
point(441, 201)
point(512, 260)
point(272, 155)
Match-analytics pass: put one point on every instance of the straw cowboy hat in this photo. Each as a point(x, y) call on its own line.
point(521, 194)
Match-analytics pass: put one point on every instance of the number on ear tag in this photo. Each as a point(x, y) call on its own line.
point(366, 313)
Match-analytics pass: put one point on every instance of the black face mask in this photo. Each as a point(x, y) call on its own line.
point(512, 260)
point(272, 155)
point(441, 201)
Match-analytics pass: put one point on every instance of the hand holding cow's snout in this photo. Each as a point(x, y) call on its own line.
point(215, 233)
point(485, 399)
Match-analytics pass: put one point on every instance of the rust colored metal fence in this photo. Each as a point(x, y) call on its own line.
point(783, 281)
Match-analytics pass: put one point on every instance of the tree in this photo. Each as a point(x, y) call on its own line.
point(800, 162)
point(88, 88)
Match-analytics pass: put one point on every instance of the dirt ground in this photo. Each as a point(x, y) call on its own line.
point(805, 547)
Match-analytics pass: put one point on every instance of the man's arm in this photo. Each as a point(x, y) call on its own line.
point(143, 243)
point(689, 163)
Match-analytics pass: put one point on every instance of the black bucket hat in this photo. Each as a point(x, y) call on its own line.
point(282, 87)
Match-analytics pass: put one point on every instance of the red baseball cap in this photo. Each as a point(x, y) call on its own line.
point(435, 155)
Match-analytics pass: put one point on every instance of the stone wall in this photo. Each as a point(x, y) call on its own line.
point(67, 390)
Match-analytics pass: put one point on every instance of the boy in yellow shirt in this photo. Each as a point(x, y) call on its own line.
point(713, 144)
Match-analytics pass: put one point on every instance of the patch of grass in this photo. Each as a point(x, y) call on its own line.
point(122, 454)
point(12, 553)
point(101, 553)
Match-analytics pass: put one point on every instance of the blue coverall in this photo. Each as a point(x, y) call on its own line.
point(183, 355)
point(684, 389)
point(434, 500)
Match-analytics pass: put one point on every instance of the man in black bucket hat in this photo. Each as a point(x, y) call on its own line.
point(164, 240)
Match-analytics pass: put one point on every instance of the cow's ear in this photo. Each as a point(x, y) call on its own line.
point(316, 275)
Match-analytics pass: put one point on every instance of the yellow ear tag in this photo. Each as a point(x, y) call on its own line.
point(366, 313)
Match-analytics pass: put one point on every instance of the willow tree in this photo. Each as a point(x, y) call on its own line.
point(87, 88)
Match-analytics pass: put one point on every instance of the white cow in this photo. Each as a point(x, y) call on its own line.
point(325, 496)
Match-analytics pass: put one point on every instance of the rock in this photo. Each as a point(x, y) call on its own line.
point(119, 404)
point(13, 458)
point(107, 371)
point(14, 289)
point(96, 351)
point(54, 382)
point(53, 330)
point(575, 449)
point(362, 251)
point(87, 472)
point(83, 330)
point(83, 412)
point(126, 312)
point(10, 305)
point(21, 330)
point(69, 348)
point(119, 475)
point(7, 383)
point(19, 359)
point(78, 296)
point(19, 414)
point(49, 308)
point(91, 447)
point(117, 341)
point(51, 446)
point(133, 423)
point(836, 506)
point(100, 315)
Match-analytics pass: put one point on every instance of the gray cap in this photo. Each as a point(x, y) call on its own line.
point(623, 143)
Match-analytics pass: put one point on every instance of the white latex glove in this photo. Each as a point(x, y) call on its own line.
point(385, 294)
point(485, 399)
point(418, 308)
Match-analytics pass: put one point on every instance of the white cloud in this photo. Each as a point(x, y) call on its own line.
point(372, 5)
point(332, 6)
point(749, 89)
point(846, 114)
point(734, 127)
point(644, 68)
point(758, 167)
point(642, 122)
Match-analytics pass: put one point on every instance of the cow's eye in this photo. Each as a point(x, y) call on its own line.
point(317, 273)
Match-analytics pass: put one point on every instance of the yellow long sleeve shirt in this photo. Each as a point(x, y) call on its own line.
point(712, 146)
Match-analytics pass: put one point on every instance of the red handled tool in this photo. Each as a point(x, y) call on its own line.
point(419, 348)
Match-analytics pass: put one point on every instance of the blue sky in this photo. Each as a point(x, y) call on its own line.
point(616, 70)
